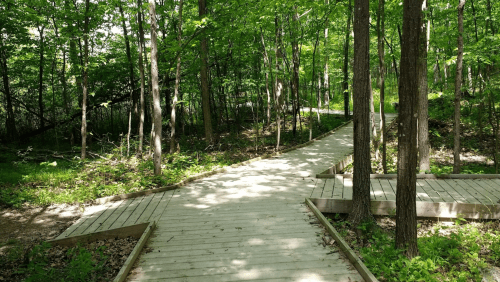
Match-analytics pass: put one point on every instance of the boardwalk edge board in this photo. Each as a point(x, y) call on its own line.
point(347, 160)
point(419, 176)
point(353, 258)
point(424, 209)
point(104, 200)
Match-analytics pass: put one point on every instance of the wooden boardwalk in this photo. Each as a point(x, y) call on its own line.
point(472, 191)
point(251, 224)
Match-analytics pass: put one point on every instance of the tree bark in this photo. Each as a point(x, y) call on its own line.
point(295, 74)
point(278, 88)
point(143, 83)
point(406, 212)
point(266, 64)
point(205, 91)
point(85, 80)
point(423, 103)
point(326, 77)
point(155, 91)
point(40, 78)
point(345, 82)
point(10, 122)
point(361, 118)
point(458, 85)
point(177, 82)
point(381, 61)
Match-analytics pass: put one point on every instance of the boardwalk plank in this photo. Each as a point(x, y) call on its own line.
point(470, 196)
point(347, 193)
point(424, 186)
point(139, 210)
point(112, 218)
point(483, 186)
point(328, 189)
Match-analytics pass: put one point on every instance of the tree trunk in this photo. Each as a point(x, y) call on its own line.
point(10, 122)
point(177, 82)
point(266, 64)
point(373, 124)
point(458, 85)
point(326, 77)
point(381, 62)
point(406, 211)
point(40, 78)
point(361, 117)
point(423, 103)
point(345, 82)
point(85, 80)
point(278, 88)
point(295, 74)
point(143, 83)
point(155, 91)
point(205, 91)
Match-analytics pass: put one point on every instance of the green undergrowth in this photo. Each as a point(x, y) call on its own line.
point(76, 264)
point(446, 253)
point(108, 171)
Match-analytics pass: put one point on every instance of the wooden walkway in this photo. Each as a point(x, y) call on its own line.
point(472, 191)
point(247, 224)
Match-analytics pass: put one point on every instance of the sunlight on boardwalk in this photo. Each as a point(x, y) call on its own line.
point(247, 224)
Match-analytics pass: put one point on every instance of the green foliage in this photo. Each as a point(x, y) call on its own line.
point(81, 265)
point(458, 256)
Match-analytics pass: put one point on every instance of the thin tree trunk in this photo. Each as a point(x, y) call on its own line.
point(266, 64)
point(326, 77)
point(155, 90)
point(278, 88)
point(423, 103)
point(10, 122)
point(143, 83)
point(361, 118)
point(458, 85)
point(40, 79)
point(85, 80)
point(381, 61)
point(345, 82)
point(177, 82)
point(406, 210)
point(205, 91)
point(373, 124)
point(295, 73)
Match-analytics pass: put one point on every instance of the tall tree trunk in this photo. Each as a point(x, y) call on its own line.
point(143, 83)
point(361, 117)
point(155, 90)
point(40, 78)
point(278, 87)
point(266, 64)
point(205, 91)
point(458, 85)
point(295, 73)
point(406, 210)
point(10, 122)
point(373, 124)
point(423, 103)
point(345, 82)
point(381, 62)
point(177, 82)
point(326, 77)
point(85, 80)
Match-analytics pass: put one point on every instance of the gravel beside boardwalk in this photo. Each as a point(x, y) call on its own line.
point(247, 224)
